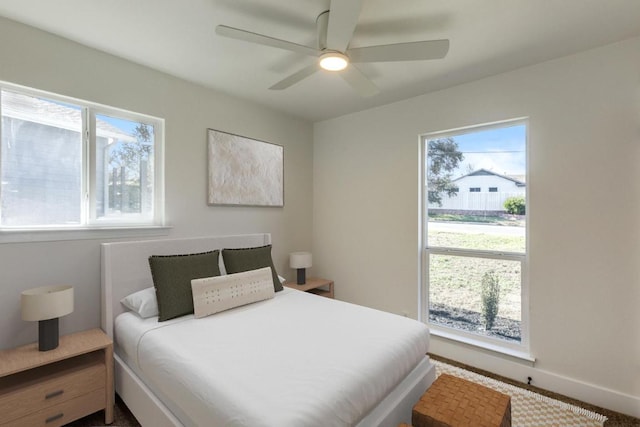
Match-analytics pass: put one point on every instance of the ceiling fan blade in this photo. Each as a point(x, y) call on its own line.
point(343, 18)
point(359, 82)
point(412, 51)
point(295, 77)
point(248, 36)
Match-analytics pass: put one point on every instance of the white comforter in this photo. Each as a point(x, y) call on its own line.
point(295, 360)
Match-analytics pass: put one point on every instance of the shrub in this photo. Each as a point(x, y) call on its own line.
point(515, 205)
point(490, 298)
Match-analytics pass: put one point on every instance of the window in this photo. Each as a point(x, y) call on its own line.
point(474, 265)
point(71, 164)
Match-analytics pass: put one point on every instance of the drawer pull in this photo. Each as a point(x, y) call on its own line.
point(53, 418)
point(53, 394)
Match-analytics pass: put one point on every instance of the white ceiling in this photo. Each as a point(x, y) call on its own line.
point(177, 37)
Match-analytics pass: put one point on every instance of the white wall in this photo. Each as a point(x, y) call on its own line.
point(37, 59)
point(584, 245)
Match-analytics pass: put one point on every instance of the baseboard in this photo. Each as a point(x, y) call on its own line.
point(518, 371)
point(590, 393)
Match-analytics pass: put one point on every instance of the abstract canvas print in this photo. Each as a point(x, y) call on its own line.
point(244, 171)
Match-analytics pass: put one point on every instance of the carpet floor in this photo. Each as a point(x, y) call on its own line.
point(614, 419)
point(124, 418)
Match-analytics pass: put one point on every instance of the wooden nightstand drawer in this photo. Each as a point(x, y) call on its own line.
point(60, 385)
point(47, 386)
point(63, 413)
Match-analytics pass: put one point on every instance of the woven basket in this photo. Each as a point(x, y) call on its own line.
point(455, 402)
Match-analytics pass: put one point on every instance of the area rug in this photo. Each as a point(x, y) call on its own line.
point(529, 409)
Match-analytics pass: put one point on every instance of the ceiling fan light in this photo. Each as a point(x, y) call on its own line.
point(333, 61)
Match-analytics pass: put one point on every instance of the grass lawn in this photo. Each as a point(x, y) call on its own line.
point(446, 239)
point(491, 220)
point(456, 280)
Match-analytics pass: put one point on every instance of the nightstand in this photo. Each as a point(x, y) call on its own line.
point(322, 287)
point(56, 387)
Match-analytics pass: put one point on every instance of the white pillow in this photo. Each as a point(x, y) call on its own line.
point(214, 294)
point(143, 303)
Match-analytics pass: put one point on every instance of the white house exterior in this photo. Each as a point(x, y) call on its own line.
point(482, 190)
point(47, 137)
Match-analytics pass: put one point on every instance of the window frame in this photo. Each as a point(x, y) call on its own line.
point(90, 226)
point(518, 350)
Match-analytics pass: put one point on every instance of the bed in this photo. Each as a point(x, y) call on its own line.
point(293, 360)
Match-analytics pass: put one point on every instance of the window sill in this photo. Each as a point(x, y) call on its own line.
point(51, 235)
point(496, 348)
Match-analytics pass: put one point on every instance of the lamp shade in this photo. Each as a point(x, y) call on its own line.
point(300, 260)
point(47, 302)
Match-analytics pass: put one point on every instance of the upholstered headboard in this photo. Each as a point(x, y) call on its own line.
point(125, 265)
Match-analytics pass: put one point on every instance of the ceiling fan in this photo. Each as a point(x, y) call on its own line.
point(335, 28)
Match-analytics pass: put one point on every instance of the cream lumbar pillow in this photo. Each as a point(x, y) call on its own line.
point(214, 294)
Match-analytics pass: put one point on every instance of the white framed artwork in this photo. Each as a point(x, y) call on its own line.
point(244, 171)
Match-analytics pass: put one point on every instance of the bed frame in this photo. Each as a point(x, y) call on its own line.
point(125, 269)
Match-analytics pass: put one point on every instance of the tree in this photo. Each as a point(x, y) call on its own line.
point(443, 158)
point(129, 155)
point(130, 176)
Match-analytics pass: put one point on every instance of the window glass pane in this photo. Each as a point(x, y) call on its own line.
point(41, 162)
point(476, 190)
point(124, 169)
point(456, 295)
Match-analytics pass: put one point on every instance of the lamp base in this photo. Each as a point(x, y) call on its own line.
point(302, 279)
point(48, 333)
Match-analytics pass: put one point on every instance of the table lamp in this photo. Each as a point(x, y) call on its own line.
point(46, 305)
point(300, 261)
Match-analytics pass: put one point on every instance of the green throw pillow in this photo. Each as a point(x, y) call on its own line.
point(172, 276)
point(245, 259)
